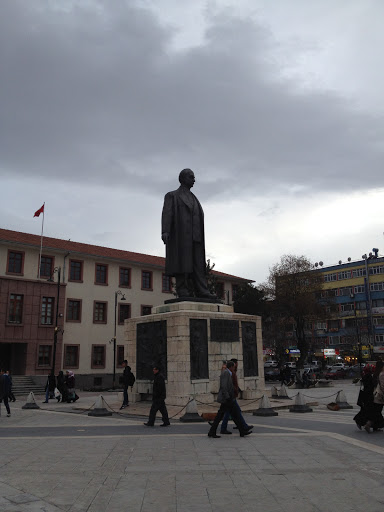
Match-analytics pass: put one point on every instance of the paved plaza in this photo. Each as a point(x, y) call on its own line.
point(60, 459)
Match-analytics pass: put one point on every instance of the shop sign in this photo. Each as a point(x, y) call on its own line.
point(329, 352)
point(377, 311)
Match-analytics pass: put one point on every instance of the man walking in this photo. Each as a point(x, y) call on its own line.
point(128, 380)
point(158, 400)
point(226, 397)
point(5, 388)
point(224, 424)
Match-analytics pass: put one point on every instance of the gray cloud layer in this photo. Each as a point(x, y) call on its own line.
point(95, 93)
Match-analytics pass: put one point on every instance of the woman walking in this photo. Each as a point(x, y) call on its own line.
point(375, 419)
point(70, 381)
point(365, 400)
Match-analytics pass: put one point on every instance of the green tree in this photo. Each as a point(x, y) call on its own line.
point(295, 287)
point(249, 300)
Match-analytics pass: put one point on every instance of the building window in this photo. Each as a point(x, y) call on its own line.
point(73, 310)
point(167, 284)
point(15, 313)
point(15, 262)
point(235, 291)
point(47, 310)
point(377, 270)
point(330, 277)
point(146, 310)
point(119, 355)
point(146, 280)
point(101, 275)
point(376, 287)
point(333, 325)
point(362, 305)
point(377, 303)
point(76, 271)
point(379, 339)
point(321, 325)
point(71, 356)
point(345, 292)
point(346, 274)
point(359, 272)
point(124, 312)
point(350, 306)
point(44, 356)
point(125, 277)
point(46, 266)
point(98, 356)
point(359, 289)
point(100, 312)
point(378, 321)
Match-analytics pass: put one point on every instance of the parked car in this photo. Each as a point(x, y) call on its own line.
point(291, 364)
point(268, 364)
point(271, 373)
point(357, 367)
point(335, 373)
point(336, 365)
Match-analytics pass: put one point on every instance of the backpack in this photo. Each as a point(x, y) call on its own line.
point(131, 379)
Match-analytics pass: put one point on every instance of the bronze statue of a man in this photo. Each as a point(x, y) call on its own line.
point(183, 235)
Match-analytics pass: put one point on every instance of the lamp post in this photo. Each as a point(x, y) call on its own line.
point(57, 330)
point(117, 293)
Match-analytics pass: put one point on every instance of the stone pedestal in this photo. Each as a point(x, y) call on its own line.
point(190, 340)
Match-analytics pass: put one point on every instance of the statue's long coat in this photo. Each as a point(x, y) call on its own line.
point(178, 220)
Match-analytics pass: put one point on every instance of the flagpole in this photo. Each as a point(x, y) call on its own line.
point(41, 241)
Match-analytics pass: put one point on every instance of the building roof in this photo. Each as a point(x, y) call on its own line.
point(57, 244)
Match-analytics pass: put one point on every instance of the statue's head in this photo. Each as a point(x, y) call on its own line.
point(187, 177)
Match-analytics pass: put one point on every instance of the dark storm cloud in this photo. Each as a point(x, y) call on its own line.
point(94, 93)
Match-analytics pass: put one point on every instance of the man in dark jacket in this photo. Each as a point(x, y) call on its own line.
point(224, 425)
point(5, 388)
point(183, 235)
point(126, 381)
point(226, 397)
point(158, 400)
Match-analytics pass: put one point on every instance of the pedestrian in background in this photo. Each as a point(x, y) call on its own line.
point(376, 421)
point(50, 387)
point(11, 395)
point(224, 424)
point(158, 400)
point(365, 400)
point(4, 391)
point(128, 380)
point(70, 382)
point(62, 387)
point(226, 397)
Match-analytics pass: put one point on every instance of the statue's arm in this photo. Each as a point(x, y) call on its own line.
point(167, 218)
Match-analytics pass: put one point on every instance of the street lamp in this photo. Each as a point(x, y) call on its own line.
point(119, 292)
point(57, 330)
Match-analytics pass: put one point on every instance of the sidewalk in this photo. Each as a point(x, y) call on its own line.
point(180, 469)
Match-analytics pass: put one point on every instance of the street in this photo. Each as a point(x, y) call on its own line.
point(68, 461)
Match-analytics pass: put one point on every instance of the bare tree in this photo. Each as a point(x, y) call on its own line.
point(295, 287)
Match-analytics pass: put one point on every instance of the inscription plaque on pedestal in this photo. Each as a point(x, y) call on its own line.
point(224, 330)
point(198, 333)
point(151, 348)
point(251, 368)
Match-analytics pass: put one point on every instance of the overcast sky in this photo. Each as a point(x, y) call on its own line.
point(276, 105)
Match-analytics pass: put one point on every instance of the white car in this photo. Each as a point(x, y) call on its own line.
point(268, 364)
point(340, 365)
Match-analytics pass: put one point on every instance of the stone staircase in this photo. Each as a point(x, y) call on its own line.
point(23, 384)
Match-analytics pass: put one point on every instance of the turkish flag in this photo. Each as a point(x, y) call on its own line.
point(40, 210)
